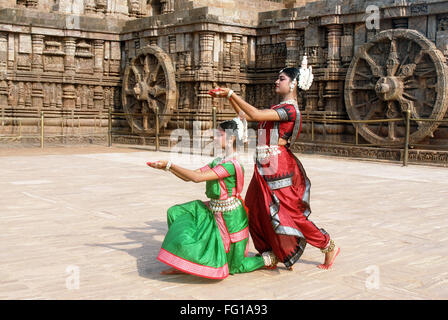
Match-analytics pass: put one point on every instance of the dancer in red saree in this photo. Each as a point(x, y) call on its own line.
point(279, 192)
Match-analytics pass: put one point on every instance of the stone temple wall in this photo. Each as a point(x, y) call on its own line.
point(64, 65)
point(70, 57)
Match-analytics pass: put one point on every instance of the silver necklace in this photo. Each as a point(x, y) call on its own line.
point(290, 101)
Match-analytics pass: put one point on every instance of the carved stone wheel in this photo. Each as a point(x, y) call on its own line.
point(149, 82)
point(396, 71)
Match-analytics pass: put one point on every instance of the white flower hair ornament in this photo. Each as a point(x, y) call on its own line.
point(242, 128)
point(305, 75)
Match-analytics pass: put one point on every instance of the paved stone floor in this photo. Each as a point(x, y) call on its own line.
point(88, 224)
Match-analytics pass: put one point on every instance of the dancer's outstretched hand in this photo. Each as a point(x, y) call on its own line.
point(219, 92)
point(158, 164)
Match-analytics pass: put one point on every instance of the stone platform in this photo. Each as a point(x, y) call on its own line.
point(87, 223)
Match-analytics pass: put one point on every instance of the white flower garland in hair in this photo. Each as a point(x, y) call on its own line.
point(242, 128)
point(306, 75)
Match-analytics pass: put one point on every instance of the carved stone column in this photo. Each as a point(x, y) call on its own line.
point(334, 44)
point(11, 51)
point(347, 43)
point(292, 48)
point(167, 6)
point(244, 54)
point(101, 6)
point(89, 7)
point(98, 50)
point(3, 52)
point(69, 59)
point(235, 48)
point(134, 9)
point(4, 90)
point(37, 96)
point(205, 72)
point(204, 99)
point(69, 97)
point(38, 48)
point(98, 98)
point(172, 49)
point(227, 56)
point(59, 94)
point(333, 89)
point(206, 40)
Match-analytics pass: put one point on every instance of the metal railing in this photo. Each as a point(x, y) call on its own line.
point(40, 123)
point(214, 117)
point(407, 119)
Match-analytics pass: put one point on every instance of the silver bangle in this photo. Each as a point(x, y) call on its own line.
point(168, 166)
point(229, 94)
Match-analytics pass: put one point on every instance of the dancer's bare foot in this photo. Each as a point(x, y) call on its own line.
point(171, 271)
point(330, 257)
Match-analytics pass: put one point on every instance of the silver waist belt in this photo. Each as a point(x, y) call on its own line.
point(224, 205)
point(278, 184)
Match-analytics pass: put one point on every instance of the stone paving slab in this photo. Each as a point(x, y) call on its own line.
point(101, 218)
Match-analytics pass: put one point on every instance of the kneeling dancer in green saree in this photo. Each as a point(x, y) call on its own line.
point(211, 239)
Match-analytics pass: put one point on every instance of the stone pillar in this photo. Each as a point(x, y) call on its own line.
point(37, 96)
point(69, 97)
point(204, 99)
point(38, 48)
point(227, 55)
point(24, 52)
point(98, 98)
point(235, 49)
point(167, 6)
point(98, 49)
point(188, 61)
point(244, 54)
point(206, 40)
point(3, 52)
point(89, 7)
point(101, 6)
point(333, 88)
point(172, 43)
point(115, 58)
point(11, 51)
point(69, 59)
point(134, 8)
point(4, 90)
point(172, 49)
point(205, 72)
point(21, 95)
point(59, 96)
point(334, 44)
point(292, 49)
point(347, 43)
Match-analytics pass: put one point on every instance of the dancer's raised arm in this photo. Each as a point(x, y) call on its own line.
point(195, 176)
point(250, 112)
